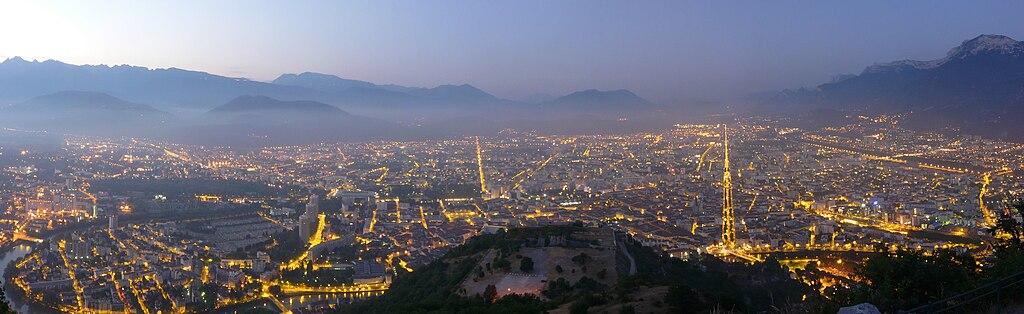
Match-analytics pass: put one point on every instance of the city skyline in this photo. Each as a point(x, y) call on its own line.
point(393, 157)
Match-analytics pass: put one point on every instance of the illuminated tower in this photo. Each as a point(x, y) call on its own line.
point(480, 167)
point(728, 229)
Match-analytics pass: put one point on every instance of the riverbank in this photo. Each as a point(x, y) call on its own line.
point(15, 296)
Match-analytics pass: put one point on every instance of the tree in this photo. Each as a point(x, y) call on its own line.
point(579, 307)
point(1009, 229)
point(208, 295)
point(581, 259)
point(557, 288)
point(906, 278)
point(682, 298)
point(1009, 249)
point(584, 303)
point(490, 294)
point(4, 306)
point(526, 264)
point(588, 284)
point(503, 264)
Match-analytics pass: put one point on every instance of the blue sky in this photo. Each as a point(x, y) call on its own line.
point(663, 50)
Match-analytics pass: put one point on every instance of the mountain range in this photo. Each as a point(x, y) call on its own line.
point(85, 113)
point(78, 102)
point(191, 92)
point(593, 101)
point(260, 120)
point(977, 88)
point(256, 104)
point(186, 102)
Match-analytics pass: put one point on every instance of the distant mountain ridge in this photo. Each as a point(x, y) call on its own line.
point(178, 90)
point(978, 87)
point(592, 100)
point(984, 74)
point(334, 84)
point(319, 81)
point(83, 101)
point(248, 103)
point(86, 113)
point(981, 45)
point(172, 88)
point(189, 103)
point(164, 89)
point(260, 120)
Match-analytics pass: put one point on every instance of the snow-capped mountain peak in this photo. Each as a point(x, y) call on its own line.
point(984, 44)
point(902, 65)
point(998, 44)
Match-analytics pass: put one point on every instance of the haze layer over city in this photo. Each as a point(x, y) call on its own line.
point(511, 157)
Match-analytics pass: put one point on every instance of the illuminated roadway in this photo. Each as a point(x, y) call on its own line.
point(758, 254)
point(986, 179)
point(701, 160)
point(314, 240)
point(22, 236)
point(530, 173)
point(280, 306)
point(288, 288)
point(71, 274)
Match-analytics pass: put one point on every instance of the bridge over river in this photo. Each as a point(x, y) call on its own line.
point(824, 252)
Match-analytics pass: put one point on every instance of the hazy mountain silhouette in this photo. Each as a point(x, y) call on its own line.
point(538, 98)
point(318, 106)
point(178, 90)
point(78, 101)
point(593, 101)
point(259, 120)
point(337, 85)
point(165, 89)
point(400, 103)
point(253, 104)
point(87, 113)
point(321, 82)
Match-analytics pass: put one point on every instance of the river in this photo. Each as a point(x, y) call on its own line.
point(7, 258)
point(298, 301)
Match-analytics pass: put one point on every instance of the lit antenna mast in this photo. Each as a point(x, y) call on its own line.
point(480, 167)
